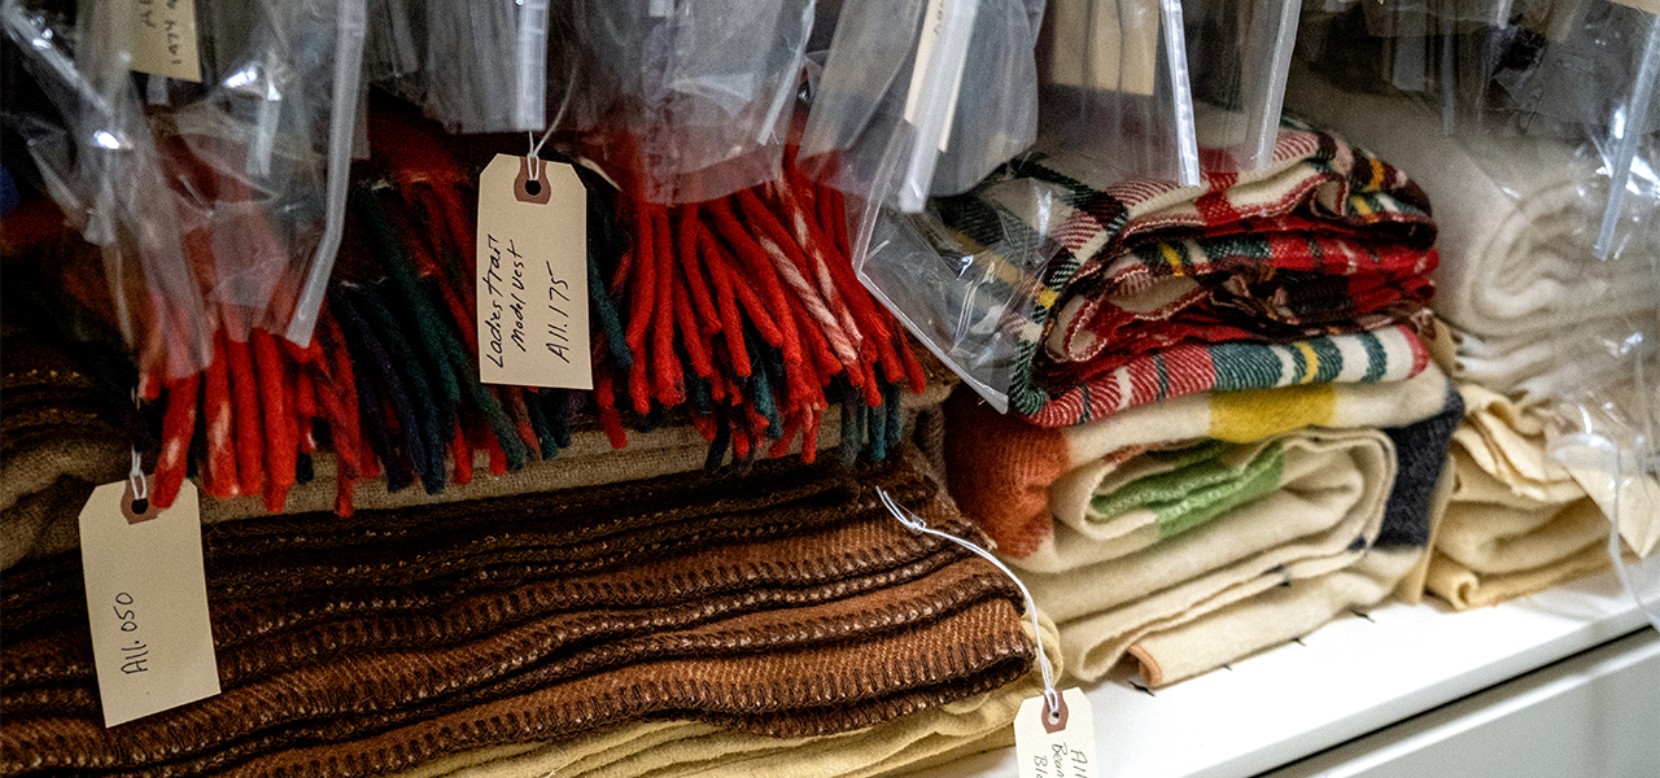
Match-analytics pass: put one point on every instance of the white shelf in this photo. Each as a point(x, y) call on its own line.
point(1348, 678)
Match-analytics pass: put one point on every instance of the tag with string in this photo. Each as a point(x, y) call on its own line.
point(532, 273)
point(1054, 733)
point(146, 594)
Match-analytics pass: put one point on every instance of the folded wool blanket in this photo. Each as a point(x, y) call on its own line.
point(416, 636)
point(684, 748)
point(1518, 522)
point(56, 443)
point(1516, 276)
point(1340, 516)
point(587, 460)
point(1151, 291)
point(1014, 479)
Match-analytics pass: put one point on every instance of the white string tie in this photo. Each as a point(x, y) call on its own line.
point(1051, 697)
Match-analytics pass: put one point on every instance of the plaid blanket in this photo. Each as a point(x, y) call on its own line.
point(1326, 242)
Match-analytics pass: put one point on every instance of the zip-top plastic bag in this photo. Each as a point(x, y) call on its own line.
point(1116, 88)
point(217, 191)
point(677, 101)
point(919, 98)
point(474, 65)
point(1114, 99)
point(1239, 54)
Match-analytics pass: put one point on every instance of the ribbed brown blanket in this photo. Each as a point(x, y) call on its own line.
point(782, 602)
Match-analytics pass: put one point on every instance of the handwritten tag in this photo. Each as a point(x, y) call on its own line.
point(1060, 745)
point(164, 39)
point(533, 275)
point(146, 599)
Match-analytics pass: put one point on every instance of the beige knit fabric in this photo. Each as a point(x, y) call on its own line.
point(660, 749)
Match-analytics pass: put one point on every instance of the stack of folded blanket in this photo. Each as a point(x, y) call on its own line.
point(692, 619)
point(724, 593)
point(1190, 533)
point(1231, 430)
point(1309, 270)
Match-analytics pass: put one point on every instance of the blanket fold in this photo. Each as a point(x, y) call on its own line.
point(1518, 522)
point(779, 603)
point(1517, 277)
point(685, 748)
point(1150, 291)
point(1192, 532)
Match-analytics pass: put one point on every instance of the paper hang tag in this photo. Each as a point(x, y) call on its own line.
point(1060, 746)
point(532, 275)
point(164, 39)
point(146, 598)
point(1652, 6)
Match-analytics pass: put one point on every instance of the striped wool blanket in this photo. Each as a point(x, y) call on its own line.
point(1248, 281)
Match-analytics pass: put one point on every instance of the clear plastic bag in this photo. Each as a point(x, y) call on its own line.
point(1536, 67)
point(1113, 99)
point(474, 66)
point(923, 97)
point(679, 101)
point(1115, 88)
point(94, 160)
point(1609, 435)
point(1239, 54)
point(219, 203)
point(965, 293)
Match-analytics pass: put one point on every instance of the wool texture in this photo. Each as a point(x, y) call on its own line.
point(1185, 528)
point(1146, 281)
point(1518, 522)
point(57, 442)
point(665, 748)
point(1015, 479)
point(742, 314)
point(1514, 278)
point(402, 636)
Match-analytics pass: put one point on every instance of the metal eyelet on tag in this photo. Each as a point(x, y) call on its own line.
point(532, 187)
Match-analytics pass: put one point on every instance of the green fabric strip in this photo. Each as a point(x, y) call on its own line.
point(1202, 486)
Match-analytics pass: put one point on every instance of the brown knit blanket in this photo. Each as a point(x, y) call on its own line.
point(783, 602)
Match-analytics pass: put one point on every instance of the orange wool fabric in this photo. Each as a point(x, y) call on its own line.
point(1013, 506)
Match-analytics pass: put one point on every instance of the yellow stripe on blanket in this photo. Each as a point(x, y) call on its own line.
point(1311, 362)
point(1172, 258)
point(1011, 275)
point(1242, 417)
